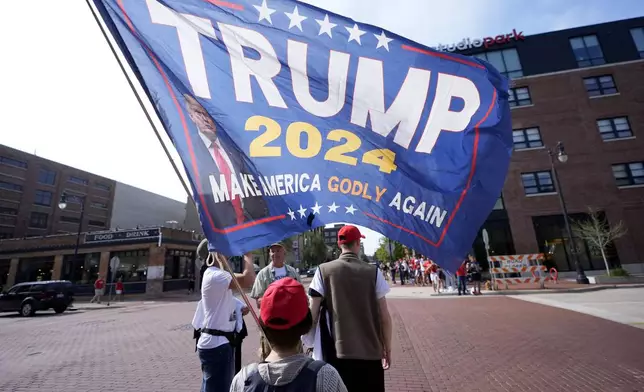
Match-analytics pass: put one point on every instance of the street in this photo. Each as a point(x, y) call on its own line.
point(450, 344)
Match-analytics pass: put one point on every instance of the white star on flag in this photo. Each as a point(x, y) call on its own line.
point(326, 26)
point(383, 41)
point(302, 211)
point(350, 210)
point(264, 12)
point(295, 18)
point(316, 208)
point(355, 33)
point(333, 207)
point(291, 214)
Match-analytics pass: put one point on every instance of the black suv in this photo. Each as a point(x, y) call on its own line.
point(29, 297)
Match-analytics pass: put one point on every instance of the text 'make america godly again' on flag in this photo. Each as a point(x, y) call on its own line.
point(288, 117)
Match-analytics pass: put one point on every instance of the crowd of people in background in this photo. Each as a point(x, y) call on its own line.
point(421, 271)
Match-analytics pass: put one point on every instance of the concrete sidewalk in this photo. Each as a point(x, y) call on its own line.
point(408, 291)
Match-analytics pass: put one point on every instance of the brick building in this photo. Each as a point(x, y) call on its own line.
point(31, 188)
point(583, 87)
point(152, 260)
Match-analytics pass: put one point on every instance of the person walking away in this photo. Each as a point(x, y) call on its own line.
point(475, 272)
point(99, 288)
point(394, 267)
point(215, 319)
point(276, 270)
point(461, 275)
point(119, 289)
point(352, 322)
point(285, 317)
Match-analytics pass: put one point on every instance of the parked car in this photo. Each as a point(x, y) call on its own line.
point(311, 272)
point(29, 297)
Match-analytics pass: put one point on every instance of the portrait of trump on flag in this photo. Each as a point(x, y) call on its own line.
point(228, 162)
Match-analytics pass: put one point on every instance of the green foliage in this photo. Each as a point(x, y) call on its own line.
point(382, 253)
point(619, 272)
point(314, 251)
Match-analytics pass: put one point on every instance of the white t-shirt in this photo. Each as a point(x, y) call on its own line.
point(317, 284)
point(217, 308)
point(280, 272)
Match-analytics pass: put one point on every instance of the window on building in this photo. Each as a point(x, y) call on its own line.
point(69, 219)
point(5, 236)
point(519, 96)
point(629, 173)
point(587, 51)
point(638, 38)
point(73, 199)
point(102, 187)
point(96, 223)
point(8, 211)
point(81, 269)
point(537, 182)
point(614, 128)
point(179, 264)
point(78, 180)
point(10, 186)
point(13, 162)
point(46, 176)
point(526, 138)
point(600, 85)
point(8, 220)
point(499, 204)
point(505, 61)
point(38, 220)
point(43, 198)
point(98, 204)
point(133, 267)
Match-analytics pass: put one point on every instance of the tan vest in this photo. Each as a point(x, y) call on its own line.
point(350, 295)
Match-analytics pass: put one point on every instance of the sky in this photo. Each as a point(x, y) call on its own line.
point(65, 98)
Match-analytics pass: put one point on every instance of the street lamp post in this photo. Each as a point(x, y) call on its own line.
point(62, 204)
point(562, 157)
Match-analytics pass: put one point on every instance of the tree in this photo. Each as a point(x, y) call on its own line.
point(382, 253)
point(315, 251)
point(598, 233)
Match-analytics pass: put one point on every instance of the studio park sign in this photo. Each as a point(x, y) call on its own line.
point(122, 236)
point(467, 43)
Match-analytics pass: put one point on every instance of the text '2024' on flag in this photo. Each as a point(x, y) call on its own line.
point(288, 117)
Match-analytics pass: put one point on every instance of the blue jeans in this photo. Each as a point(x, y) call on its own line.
point(218, 368)
point(462, 285)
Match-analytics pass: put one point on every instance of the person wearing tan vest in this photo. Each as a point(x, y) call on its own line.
point(352, 325)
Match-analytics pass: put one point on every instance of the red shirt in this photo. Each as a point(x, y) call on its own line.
point(433, 268)
point(119, 286)
point(99, 284)
point(461, 271)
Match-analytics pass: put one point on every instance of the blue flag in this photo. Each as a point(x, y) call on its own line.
point(287, 117)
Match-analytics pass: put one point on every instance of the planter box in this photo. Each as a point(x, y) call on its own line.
point(615, 279)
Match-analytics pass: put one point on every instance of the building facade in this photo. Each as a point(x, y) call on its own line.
point(31, 188)
point(151, 260)
point(582, 87)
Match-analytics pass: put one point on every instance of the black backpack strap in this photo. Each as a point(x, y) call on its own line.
point(306, 381)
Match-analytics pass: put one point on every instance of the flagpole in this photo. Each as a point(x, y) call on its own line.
point(167, 153)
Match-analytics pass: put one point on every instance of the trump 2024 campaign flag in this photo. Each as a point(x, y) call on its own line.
point(288, 117)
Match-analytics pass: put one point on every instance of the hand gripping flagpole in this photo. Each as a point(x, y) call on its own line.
point(223, 260)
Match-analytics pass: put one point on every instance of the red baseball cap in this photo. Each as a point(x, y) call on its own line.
point(284, 304)
point(349, 234)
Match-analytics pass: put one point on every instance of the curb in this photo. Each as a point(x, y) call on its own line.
point(563, 291)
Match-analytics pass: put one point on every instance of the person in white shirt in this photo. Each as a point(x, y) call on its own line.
point(216, 320)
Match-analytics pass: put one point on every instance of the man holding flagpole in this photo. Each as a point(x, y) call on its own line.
point(354, 326)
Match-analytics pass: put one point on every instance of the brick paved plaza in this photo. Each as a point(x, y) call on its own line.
point(445, 344)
